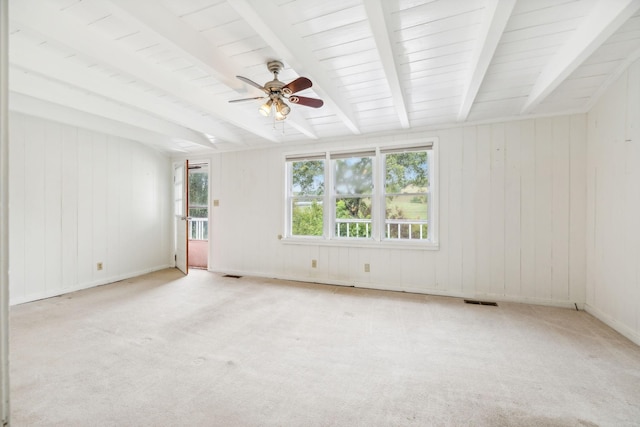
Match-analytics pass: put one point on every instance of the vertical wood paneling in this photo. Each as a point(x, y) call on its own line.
point(358, 257)
point(613, 206)
point(85, 207)
point(418, 271)
point(543, 207)
point(497, 220)
point(339, 264)
point(617, 230)
point(380, 259)
point(483, 210)
point(53, 206)
point(442, 256)
point(214, 191)
point(469, 189)
point(528, 223)
point(99, 198)
point(497, 213)
point(128, 227)
point(61, 195)
point(112, 263)
point(560, 209)
point(229, 253)
point(69, 208)
point(454, 191)
point(35, 208)
point(578, 209)
point(592, 188)
point(17, 240)
point(513, 213)
point(632, 144)
point(321, 272)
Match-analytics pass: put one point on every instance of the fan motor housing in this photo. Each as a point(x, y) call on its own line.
point(275, 66)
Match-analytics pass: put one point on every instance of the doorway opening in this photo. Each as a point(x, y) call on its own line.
point(198, 215)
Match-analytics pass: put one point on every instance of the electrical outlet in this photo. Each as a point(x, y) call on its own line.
point(99, 266)
point(314, 263)
point(367, 268)
point(216, 203)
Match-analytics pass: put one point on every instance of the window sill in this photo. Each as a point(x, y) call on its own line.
point(362, 243)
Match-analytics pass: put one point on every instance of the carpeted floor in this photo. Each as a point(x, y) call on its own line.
point(204, 350)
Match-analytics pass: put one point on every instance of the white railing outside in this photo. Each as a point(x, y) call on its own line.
point(410, 227)
point(397, 225)
point(199, 228)
point(365, 223)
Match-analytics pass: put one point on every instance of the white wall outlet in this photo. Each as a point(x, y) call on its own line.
point(314, 263)
point(367, 268)
point(99, 266)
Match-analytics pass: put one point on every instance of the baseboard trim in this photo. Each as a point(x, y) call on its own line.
point(413, 290)
point(614, 324)
point(103, 281)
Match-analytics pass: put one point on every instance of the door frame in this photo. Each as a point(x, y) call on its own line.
point(181, 245)
point(208, 162)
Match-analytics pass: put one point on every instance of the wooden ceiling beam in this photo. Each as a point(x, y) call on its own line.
point(497, 14)
point(37, 16)
point(37, 86)
point(152, 16)
point(73, 75)
point(380, 30)
point(604, 19)
point(37, 107)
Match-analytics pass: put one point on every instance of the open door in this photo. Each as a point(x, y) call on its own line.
point(198, 215)
point(181, 203)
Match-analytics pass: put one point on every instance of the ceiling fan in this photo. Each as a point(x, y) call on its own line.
point(277, 92)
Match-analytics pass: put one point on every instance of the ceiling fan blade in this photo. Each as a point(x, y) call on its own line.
point(301, 83)
point(247, 99)
point(252, 83)
point(309, 102)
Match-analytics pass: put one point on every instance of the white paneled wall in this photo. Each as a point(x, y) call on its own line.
point(613, 206)
point(78, 198)
point(512, 218)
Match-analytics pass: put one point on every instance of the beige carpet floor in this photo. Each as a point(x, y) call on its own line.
point(204, 350)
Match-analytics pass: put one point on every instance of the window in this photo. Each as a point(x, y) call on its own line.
point(378, 195)
point(199, 201)
point(352, 194)
point(306, 196)
point(406, 194)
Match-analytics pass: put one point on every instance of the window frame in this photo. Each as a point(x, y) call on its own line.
point(334, 156)
point(289, 160)
point(378, 213)
point(429, 149)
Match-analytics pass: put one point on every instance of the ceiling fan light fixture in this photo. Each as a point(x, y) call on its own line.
point(278, 92)
point(282, 107)
point(265, 110)
point(280, 116)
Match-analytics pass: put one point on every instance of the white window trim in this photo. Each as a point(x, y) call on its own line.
point(377, 240)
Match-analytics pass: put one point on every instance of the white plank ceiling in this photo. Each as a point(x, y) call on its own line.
point(162, 71)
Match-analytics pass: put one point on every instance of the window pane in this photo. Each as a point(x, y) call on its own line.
point(307, 178)
point(306, 217)
point(407, 206)
point(407, 172)
point(354, 175)
point(353, 217)
point(198, 212)
point(198, 188)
